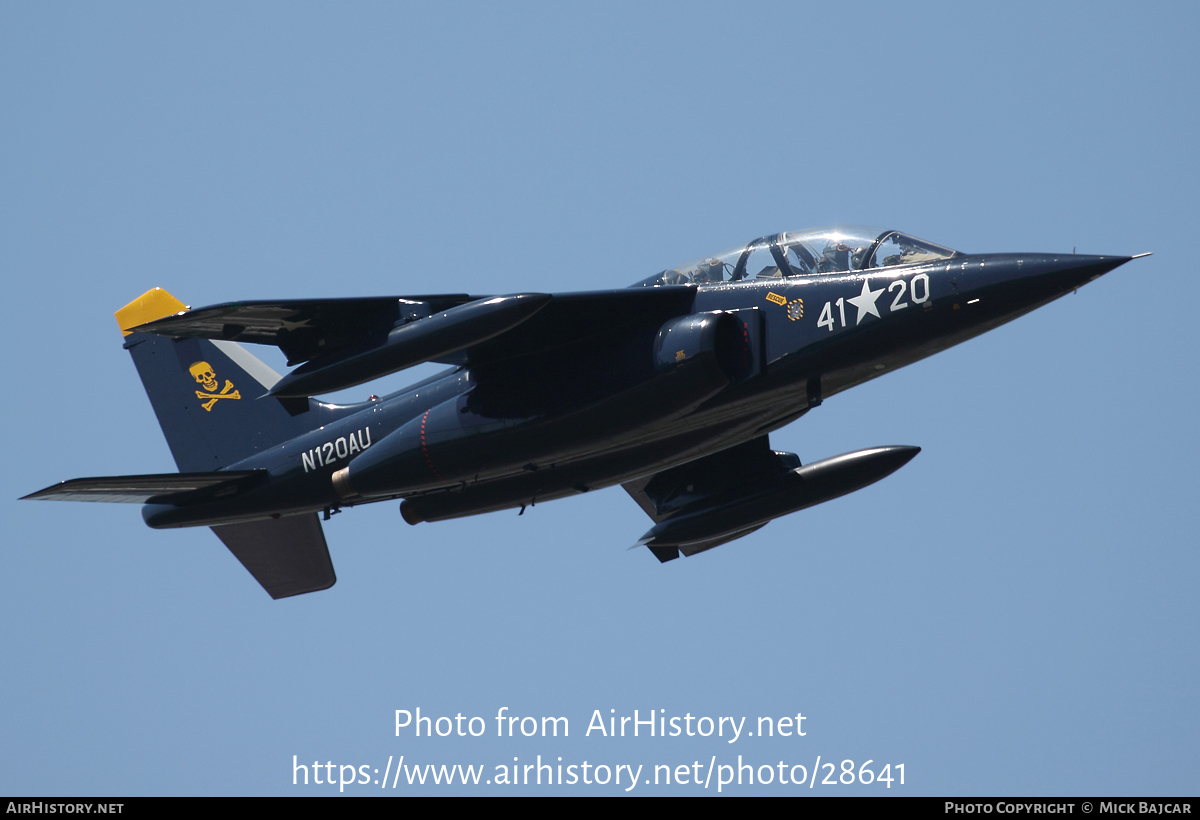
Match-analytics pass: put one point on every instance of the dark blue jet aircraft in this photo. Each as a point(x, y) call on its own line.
point(669, 388)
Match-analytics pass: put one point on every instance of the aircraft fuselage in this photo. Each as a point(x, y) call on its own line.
point(619, 405)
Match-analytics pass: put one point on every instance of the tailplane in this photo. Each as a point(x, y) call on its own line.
point(288, 555)
point(210, 400)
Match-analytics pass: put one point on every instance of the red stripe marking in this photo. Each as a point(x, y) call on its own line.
point(425, 449)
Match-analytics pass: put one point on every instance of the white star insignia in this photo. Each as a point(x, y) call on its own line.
point(865, 302)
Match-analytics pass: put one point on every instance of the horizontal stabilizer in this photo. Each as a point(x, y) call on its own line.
point(288, 555)
point(156, 488)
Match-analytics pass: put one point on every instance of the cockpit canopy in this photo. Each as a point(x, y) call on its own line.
point(806, 253)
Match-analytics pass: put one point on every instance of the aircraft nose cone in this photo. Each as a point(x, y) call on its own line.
point(1005, 286)
point(1069, 271)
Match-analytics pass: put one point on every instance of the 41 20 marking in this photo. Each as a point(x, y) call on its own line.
point(866, 301)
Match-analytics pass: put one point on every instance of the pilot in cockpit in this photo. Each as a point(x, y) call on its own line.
point(710, 270)
point(835, 257)
point(801, 259)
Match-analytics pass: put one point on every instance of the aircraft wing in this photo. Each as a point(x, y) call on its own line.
point(573, 317)
point(664, 494)
point(157, 488)
point(302, 328)
point(326, 329)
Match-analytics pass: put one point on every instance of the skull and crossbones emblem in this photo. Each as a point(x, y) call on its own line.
point(204, 375)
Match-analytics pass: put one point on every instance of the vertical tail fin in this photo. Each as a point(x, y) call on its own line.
point(209, 395)
point(210, 399)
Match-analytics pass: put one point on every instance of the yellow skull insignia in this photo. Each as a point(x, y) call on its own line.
point(204, 375)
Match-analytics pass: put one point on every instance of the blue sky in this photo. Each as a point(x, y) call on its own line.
point(1012, 613)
